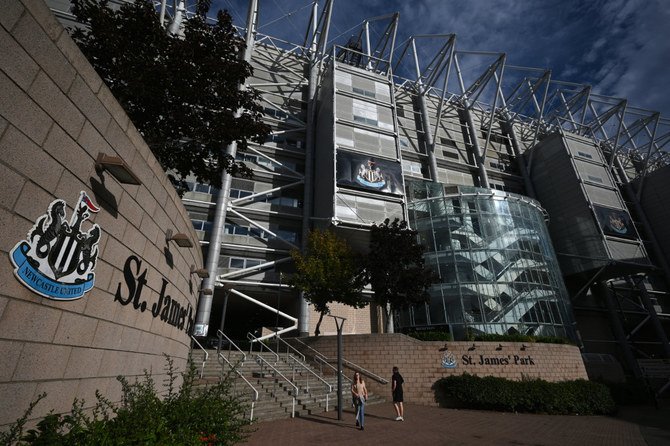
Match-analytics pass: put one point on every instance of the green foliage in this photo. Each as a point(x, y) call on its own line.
point(517, 337)
point(182, 93)
point(578, 397)
point(329, 272)
point(395, 266)
point(186, 416)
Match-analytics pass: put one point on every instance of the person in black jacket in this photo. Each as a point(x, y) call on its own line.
point(396, 391)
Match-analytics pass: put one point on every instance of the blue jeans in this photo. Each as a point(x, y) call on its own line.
point(360, 411)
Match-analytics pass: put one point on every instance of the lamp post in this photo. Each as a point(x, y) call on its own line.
point(339, 323)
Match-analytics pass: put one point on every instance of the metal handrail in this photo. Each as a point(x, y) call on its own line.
point(289, 346)
point(364, 371)
point(349, 364)
point(329, 387)
point(222, 334)
point(202, 369)
point(255, 397)
point(323, 361)
point(260, 360)
point(253, 339)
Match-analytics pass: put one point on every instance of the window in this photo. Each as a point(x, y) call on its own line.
point(204, 188)
point(241, 262)
point(363, 120)
point(447, 142)
point(403, 143)
point(236, 263)
point(283, 141)
point(362, 92)
point(585, 155)
point(238, 193)
point(400, 111)
point(233, 229)
point(595, 179)
point(202, 225)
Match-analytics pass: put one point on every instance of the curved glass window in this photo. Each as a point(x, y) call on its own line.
point(498, 271)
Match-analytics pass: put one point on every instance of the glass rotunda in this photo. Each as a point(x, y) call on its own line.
point(498, 270)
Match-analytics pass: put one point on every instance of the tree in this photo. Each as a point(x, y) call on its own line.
point(180, 92)
point(396, 269)
point(329, 272)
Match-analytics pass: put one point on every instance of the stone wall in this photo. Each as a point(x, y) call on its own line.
point(56, 116)
point(421, 363)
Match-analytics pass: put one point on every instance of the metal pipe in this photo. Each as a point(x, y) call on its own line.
point(201, 326)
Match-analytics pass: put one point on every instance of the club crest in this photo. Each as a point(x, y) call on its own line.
point(448, 360)
point(58, 258)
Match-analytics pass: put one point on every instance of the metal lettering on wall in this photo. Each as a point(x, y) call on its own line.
point(57, 259)
point(168, 309)
point(449, 360)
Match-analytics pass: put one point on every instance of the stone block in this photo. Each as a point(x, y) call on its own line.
point(27, 321)
point(130, 210)
point(11, 12)
point(75, 329)
point(11, 184)
point(34, 202)
point(92, 141)
point(43, 15)
point(9, 352)
point(83, 363)
point(15, 62)
point(41, 362)
point(87, 102)
point(44, 52)
point(77, 59)
point(45, 93)
point(20, 111)
point(118, 113)
point(107, 335)
point(68, 153)
point(16, 398)
point(60, 395)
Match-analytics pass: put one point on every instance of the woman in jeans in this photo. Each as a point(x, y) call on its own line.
point(359, 393)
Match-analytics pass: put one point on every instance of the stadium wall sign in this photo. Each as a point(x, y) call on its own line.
point(57, 259)
point(167, 308)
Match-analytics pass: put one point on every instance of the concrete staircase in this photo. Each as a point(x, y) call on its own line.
point(275, 394)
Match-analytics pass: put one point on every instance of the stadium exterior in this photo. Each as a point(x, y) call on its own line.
point(540, 203)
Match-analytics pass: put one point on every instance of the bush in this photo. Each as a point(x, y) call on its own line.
point(517, 337)
point(188, 416)
point(529, 395)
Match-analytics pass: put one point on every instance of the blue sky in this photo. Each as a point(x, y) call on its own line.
point(620, 47)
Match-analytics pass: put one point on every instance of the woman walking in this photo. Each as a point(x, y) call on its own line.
point(359, 394)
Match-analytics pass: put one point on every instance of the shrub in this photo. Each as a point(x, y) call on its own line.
point(187, 416)
point(529, 395)
point(517, 337)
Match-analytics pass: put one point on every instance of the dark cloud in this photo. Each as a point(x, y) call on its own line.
point(620, 47)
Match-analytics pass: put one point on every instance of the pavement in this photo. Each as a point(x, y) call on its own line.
point(424, 425)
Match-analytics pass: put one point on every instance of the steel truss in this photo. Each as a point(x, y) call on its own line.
point(518, 104)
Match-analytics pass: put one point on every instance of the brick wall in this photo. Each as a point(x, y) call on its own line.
point(420, 362)
point(56, 115)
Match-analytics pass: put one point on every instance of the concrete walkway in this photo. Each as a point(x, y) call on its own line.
point(436, 426)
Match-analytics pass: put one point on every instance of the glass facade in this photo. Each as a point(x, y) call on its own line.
point(498, 271)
